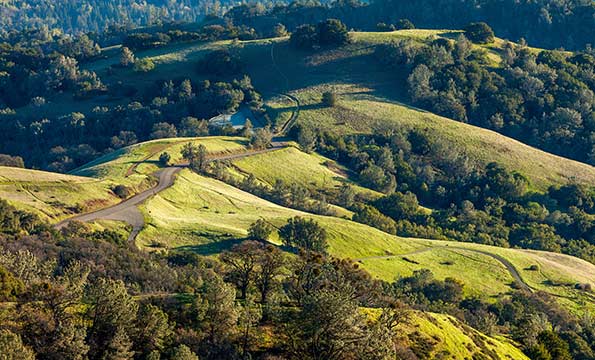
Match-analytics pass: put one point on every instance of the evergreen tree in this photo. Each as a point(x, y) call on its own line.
point(119, 347)
point(127, 58)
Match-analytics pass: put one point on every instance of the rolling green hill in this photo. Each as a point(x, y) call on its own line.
point(53, 196)
point(207, 216)
point(455, 340)
point(56, 196)
point(360, 111)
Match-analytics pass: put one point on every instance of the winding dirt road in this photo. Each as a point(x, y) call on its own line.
point(128, 211)
point(518, 279)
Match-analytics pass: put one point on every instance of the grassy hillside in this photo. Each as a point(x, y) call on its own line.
point(206, 215)
point(134, 162)
point(293, 166)
point(361, 111)
point(455, 340)
point(53, 196)
point(56, 196)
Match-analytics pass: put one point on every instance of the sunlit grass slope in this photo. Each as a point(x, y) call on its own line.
point(455, 340)
point(207, 216)
point(56, 196)
point(360, 111)
point(132, 164)
point(50, 195)
point(293, 166)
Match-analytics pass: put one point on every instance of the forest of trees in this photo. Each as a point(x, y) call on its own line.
point(544, 23)
point(82, 293)
point(545, 100)
point(95, 16)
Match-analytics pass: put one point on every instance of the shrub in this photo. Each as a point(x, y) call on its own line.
point(304, 37)
point(480, 33)
point(304, 233)
point(144, 65)
point(329, 98)
point(164, 159)
point(332, 32)
point(122, 191)
point(220, 62)
point(13, 161)
point(260, 230)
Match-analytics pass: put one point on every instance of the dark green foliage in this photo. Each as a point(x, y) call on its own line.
point(398, 205)
point(196, 156)
point(370, 215)
point(15, 221)
point(220, 63)
point(10, 287)
point(304, 37)
point(164, 159)
point(121, 191)
point(332, 32)
point(261, 138)
point(304, 233)
point(329, 98)
point(260, 230)
point(163, 130)
point(242, 260)
point(550, 346)
point(480, 33)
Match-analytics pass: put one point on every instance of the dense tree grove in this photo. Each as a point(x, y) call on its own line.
point(471, 203)
point(550, 24)
point(167, 109)
point(94, 15)
point(546, 99)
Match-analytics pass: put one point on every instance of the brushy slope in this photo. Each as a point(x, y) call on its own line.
point(455, 340)
point(208, 216)
point(360, 111)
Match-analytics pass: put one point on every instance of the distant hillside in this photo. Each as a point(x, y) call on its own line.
point(360, 111)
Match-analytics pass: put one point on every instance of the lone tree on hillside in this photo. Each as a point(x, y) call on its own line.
point(332, 32)
point(127, 58)
point(304, 37)
point(260, 230)
point(329, 98)
point(261, 138)
point(305, 234)
point(480, 33)
point(164, 159)
point(196, 156)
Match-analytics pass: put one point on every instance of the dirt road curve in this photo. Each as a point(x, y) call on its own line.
point(127, 210)
point(507, 264)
